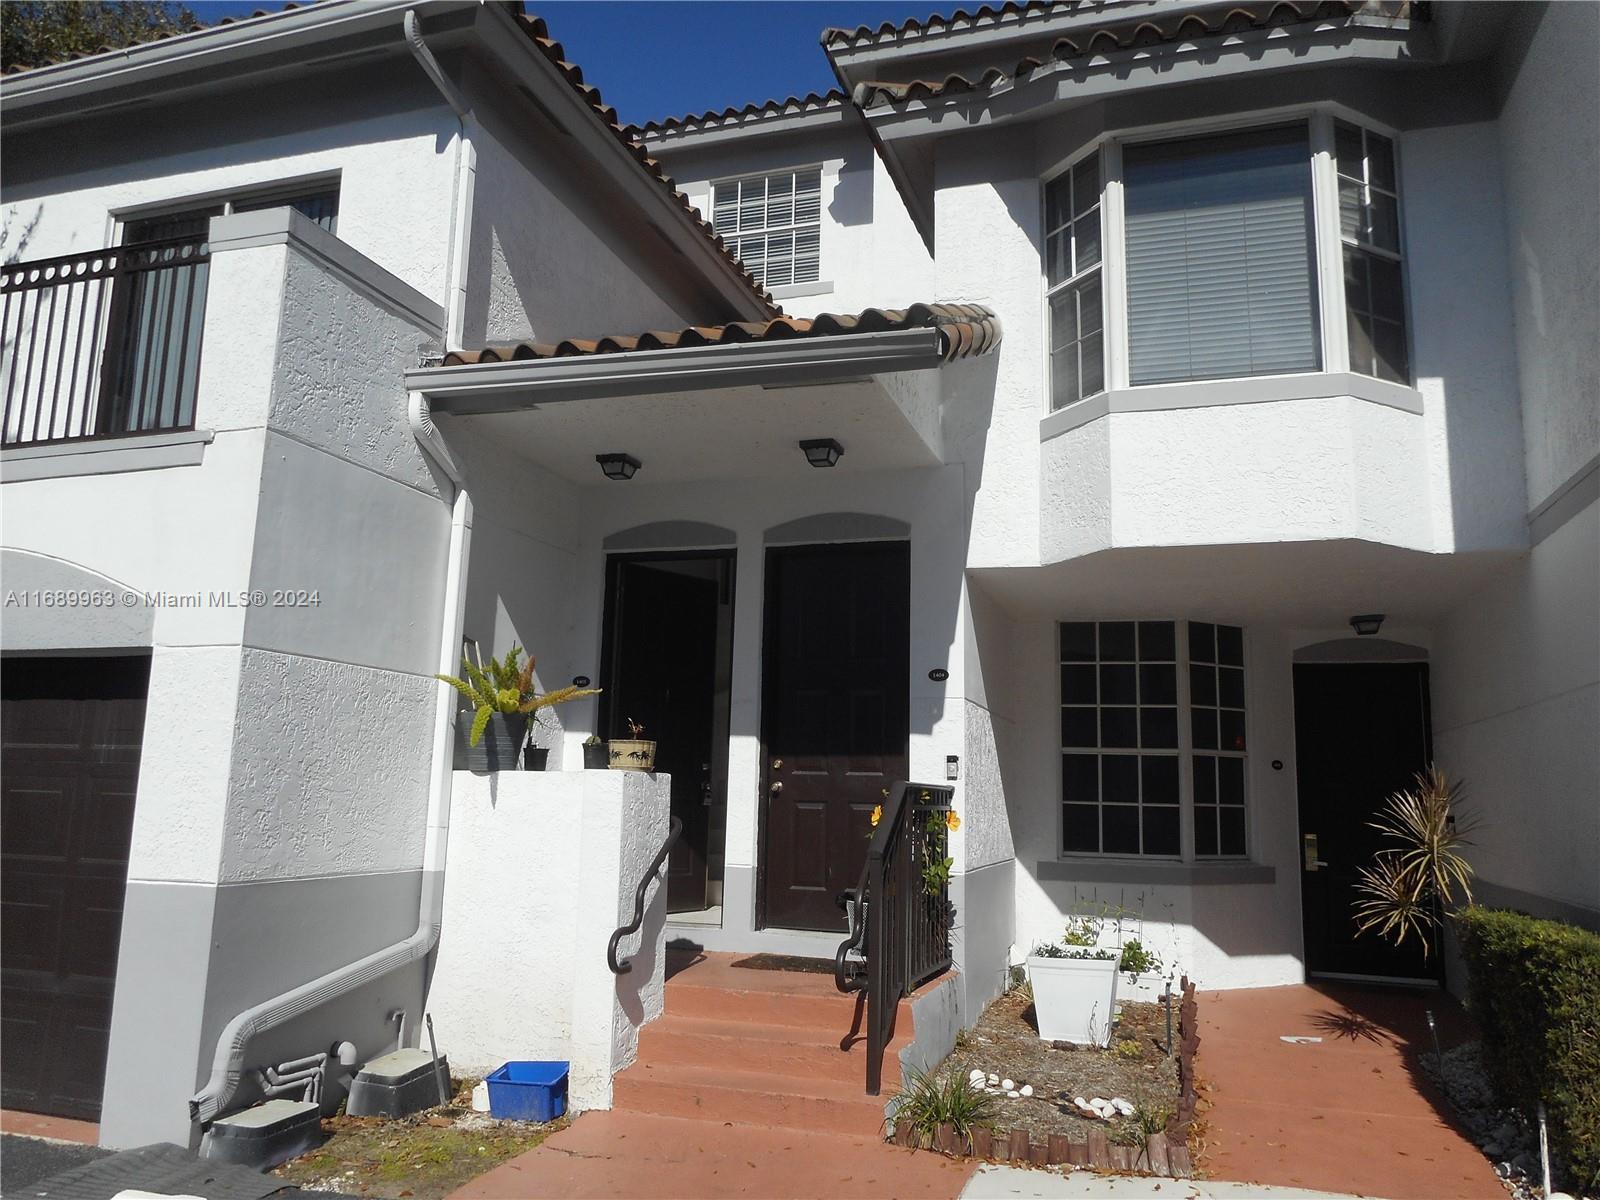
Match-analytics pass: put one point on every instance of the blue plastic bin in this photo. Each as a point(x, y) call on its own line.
point(528, 1091)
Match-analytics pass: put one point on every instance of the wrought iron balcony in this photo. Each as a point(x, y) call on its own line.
point(104, 343)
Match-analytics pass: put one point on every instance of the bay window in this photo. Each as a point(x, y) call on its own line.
point(1190, 257)
point(1152, 738)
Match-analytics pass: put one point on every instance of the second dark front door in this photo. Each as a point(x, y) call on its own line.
point(1361, 734)
point(72, 730)
point(836, 718)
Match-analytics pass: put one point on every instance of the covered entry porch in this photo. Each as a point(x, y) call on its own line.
point(779, 618)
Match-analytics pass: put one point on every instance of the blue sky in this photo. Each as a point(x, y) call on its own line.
point(673, 57)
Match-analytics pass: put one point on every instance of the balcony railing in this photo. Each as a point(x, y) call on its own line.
point(103, 344)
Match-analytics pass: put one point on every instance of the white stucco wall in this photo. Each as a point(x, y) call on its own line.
point(1550, 155)
point(1516, 703)
point(542, 868)
point(871, 252)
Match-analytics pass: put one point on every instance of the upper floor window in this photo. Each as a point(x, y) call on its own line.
point(773, 224)
point(1220, 254)
point(1221, 249)
point(1072, 254)
point(1369, 227)
point(319, 205)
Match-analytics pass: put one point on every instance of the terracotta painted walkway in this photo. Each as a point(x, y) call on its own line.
point(1349, 1114)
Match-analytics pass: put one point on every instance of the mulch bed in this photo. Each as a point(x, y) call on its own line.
point(1047, 1128)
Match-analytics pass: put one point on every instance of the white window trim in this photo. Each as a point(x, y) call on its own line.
point(1328, 251)
point(1186, 856)
point(827, 180)
point(1050, 290)
point(226, 197)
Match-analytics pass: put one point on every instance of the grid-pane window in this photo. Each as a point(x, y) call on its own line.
point(1216, 719)
point(773, 224)
point(1072, 272)
point(1119, 737)
point(1369, 227)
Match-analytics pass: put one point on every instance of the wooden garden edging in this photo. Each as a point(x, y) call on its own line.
point(1164, 1154)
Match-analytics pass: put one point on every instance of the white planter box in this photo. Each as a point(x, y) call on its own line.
point(1146, 987)
point(1074, 999)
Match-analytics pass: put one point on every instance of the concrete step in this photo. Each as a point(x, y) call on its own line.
point(756, 1098)
point(781, 1050)
point(809, 1009)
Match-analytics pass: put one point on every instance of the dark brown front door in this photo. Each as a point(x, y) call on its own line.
point(836, 718)
point(670, 622)
point(1361, 734)
point(70, 732)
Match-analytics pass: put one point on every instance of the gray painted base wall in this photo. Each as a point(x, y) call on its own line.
point(985, 927)
point(192, 956)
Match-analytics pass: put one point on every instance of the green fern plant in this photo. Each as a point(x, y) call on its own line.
point(503, 685)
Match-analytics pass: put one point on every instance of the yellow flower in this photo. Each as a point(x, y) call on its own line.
point(877, 815)
point(953, 821)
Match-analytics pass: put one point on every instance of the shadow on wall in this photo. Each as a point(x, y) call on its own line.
point(631, 985)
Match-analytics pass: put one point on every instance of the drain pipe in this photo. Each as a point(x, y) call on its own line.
point(228, 1065)
point(228, 1061)
point(466, 172)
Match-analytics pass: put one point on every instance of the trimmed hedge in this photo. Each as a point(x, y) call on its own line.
point(1535, 992)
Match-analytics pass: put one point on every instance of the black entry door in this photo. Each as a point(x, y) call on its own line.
point(836, 718)
point(1361, 734)
point(70, 732)
point(671, 625)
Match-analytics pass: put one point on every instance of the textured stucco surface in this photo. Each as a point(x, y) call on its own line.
point(330, 769)
point(1551, 161)
point(1516, 703)
point(542, 867)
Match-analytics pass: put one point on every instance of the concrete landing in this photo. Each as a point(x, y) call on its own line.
point(1349, 1114)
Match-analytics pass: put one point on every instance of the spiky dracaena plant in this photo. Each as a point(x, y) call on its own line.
point(1412, 883)
point(501, 685)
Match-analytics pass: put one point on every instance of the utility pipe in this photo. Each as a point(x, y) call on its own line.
point(227, 1066)
point(228, 1063)
point(466, 172)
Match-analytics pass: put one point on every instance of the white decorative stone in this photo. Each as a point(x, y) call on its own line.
point(1026, 1089)
point(1014, 1094)
point(994, 1080)
point(1122, 1106)
point(480, 1097)
point(975, 1075)
point(1008, 1084)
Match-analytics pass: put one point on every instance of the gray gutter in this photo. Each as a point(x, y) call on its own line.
point(222, 45)
point(525, 383)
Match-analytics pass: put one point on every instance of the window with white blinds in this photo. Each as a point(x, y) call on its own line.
point(1220, 253)
point(773, 224)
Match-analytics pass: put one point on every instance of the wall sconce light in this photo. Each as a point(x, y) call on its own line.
point(1366, 625)
point(822, 452)
point(617, 466)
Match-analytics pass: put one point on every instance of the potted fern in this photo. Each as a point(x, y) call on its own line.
point(503, 702)
point(633, 753)
point(1074, 985)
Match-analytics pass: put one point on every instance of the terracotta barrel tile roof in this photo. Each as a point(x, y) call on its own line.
point(1139, 34)
point(966, 331)
point(812, 102)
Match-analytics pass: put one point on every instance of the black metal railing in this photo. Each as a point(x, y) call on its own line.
point(650, 873)
point(103, 344)
point(899, 912)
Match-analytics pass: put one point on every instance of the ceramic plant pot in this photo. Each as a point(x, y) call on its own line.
point(630, 755)
point(1074, 998)
point(535, 758)
point(595, 758)
point(498, 749)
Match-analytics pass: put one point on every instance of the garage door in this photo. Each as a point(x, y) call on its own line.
point(70, 730)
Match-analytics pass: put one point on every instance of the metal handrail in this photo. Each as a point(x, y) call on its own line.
point(622, 968)
point(905, 927)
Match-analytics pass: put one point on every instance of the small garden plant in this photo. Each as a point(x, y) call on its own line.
point(1136, 960)
point(948, 1098)
point(502, 685)
point(1080, 939)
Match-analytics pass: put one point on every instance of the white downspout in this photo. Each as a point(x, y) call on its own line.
point(228, 1061)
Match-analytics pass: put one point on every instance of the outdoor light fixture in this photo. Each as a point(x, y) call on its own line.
point(822, 452)
point(617, 466)
point(1367, 625)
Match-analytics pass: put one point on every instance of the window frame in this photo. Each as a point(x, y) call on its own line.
point(257, 195)
point(820, 283)
point(1328, 283)
point(1187, 854)
point(1075, 278)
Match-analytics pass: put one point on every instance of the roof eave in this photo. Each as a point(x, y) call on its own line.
point(724, 131)
point(524, 383)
